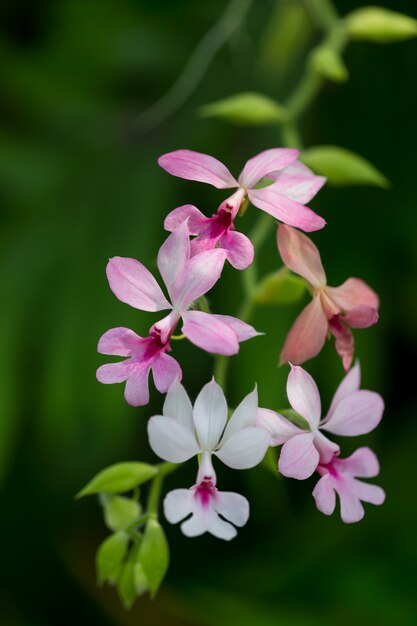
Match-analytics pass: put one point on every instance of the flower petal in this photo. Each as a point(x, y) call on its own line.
point(298, 182)
point(137, 386)
point(200, 274)
point(165, 370)
point(363, 463)
point(284, 209)
point(303, 395)
point(174, 254)
point(178, 504)
point(277, 425)
point(209, 333)
point(351, 509)
point(244, 415)
point(193, 165)
point(239, 248)
point(243, 331)
point(232, 506)
point(307, 335)
point(171, 440)
point(351, 382)
point(368, 493)
point(133, 284)
point(197, 221)
point(299, 458)
point(326, 448)
point(210, 415)
point(344, 340)
point(178, 405)
point(245, 448)
point(361, 317)
point(114, 372)
point(300, 255)
point(219, 528)
point(196, 525)
point(324, 495)
point(353, 292)
point(264, 163)
point(121, 341)
point(356, 414)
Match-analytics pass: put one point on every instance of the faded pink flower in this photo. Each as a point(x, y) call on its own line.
point(284, 199)
point(340, 476)
point(353, 411)
point(333, 310)
point(186, 278)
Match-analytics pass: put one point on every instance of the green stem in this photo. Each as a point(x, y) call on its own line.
point(153, 502)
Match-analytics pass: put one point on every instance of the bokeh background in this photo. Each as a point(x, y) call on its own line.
point(78, 184)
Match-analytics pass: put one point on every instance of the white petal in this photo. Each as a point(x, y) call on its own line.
point(178, 504)
point(171, 440)
point(196, 525)
point(246, 448)
point(245, 415)
point(219, 528)
point(178, 405)
point(303, 395)
point(210, 415)
point(233, 507)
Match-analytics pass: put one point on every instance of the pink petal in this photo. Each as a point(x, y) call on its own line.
point(351, 509)
point(243, 330)
point(121, 341)
point(325, 495)
point(197, 166)
point(361, 317)
point(174, 254)
point(298, 182)
point(299, 458)
point(196, 220)
point(344, 341)
point(232, 204)
point(357, 414)
point(264, 163)
point(209, 333)
point(307, 335)
point(133, 284)
point(351, 382)
point(200, 274)
point(303, 395)
point(165, 370)
point(300, 255)
point(137, 387)
point(239, 248)
point(114, 372)
point(363, 463)
point(277, 425)
point(326, 448)
point(284, 209)
point(368, 493)
point(352, 293)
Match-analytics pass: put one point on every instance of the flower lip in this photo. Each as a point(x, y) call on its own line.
point(204, 492)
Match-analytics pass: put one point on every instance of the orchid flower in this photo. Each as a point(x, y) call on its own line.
point(182, 432)
point(186, 280)
point(353, 411)
point(333, 310)
point(340, 476)
point(294, 185)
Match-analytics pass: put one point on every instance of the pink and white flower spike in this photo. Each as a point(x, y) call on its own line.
point(294, 184)
point(353, 411)
point(340, 477)
point(333, 310)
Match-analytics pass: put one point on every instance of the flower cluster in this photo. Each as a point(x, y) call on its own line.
point(190, 262)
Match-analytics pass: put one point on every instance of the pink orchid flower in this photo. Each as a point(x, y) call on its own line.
point(333, 310)
point(186, 278)
point(340, 476)
point(353, 411)
point(183, 432)
point(294, 184)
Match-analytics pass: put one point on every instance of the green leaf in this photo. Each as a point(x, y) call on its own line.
point(280, 287)
point(380, 25)
point(110, 556)
point(154, 555)
point(119, 512)
point(270, 462)
point(126, 584)
point(141, 582)
point(249, 108)
point(343, 167)
point(118, 478)
point(329, 64)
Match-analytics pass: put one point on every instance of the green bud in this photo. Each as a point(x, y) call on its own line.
point(380, 25)
point(110, 557)
point(154, 555)
point(119, 478)
point(126, 584)
point(140, 580)
point(329, 64)
point(343, 167)
point(248, 109)
point(280, 287)
point(119, 512)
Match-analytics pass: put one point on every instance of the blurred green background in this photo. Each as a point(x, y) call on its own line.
point(78, 184)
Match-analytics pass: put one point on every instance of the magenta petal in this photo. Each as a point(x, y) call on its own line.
point(264, 163)
point(197, 166)
point(298, 182)
point(300, 255)
point(356, 414)
point(243, 330)
point(114, 372)
point(174, 254)
point(307, 335)
point(239, 249)
point(121, 342)
point(133, 284)
point(285, 210)
point(200, 274)
point(165, 370)
point(361, 317)
point(324, 495)
point(344, 341)
point(299, 458)
point(196, 220)
point(137, 387)
point(209, 333)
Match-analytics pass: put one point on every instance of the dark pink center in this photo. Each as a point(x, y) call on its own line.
point(154, 345)
point(204, 492)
